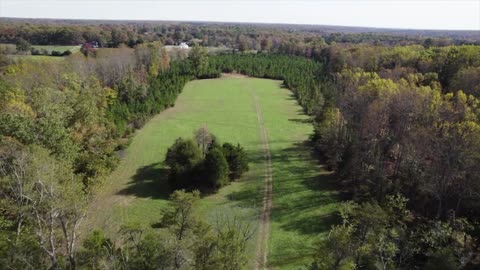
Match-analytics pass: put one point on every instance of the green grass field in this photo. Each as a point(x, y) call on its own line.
point(303, 199)
point(41, 58)
point(35, 58)
point(49, 48)
point(59, 48)
point(175, 52)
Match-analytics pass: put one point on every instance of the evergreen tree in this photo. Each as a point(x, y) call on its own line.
point(216, 168)
point(182, 158)
point(237, 160)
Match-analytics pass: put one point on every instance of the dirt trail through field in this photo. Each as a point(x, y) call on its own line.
point(264, 230)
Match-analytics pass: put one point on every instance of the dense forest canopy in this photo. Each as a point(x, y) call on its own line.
point(243, 36)
point(396, 117)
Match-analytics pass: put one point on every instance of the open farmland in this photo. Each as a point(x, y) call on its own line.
point(58, 48)
point(47, 48)
point(46, 51)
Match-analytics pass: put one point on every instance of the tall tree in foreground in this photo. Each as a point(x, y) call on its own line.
point(44, 196)
point(233, 235)
point(181, 220)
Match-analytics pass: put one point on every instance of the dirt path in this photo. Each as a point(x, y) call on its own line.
point(264, 230)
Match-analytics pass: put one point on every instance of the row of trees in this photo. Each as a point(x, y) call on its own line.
point(303, 76)
point(58, 134)
point(289, 39)
point(455, 67)
point(403, 135)
point(204, 163)
point(81, 108)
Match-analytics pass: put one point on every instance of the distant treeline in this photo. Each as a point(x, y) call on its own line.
point(136, 103)
point(403, 136)
point(305, 77)
point(299, 39)
point(299, 74)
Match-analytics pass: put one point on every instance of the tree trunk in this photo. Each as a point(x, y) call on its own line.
point(457, 208)
point(439, 207)
point(51, 240)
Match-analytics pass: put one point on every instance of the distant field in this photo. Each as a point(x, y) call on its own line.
point(212, 50)
point(303, 200)
point(48, 48)
point(59, 48)
point(35, 58)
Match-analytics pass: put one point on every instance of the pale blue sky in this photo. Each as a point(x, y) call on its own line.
point(421, 14)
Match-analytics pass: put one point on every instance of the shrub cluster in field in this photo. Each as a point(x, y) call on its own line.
point(204, 163)
point(24, 47)
point(35, 51)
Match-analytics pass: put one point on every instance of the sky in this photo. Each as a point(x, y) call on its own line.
point(412, 14)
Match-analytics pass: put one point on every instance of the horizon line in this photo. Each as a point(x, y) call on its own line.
point(239, 22)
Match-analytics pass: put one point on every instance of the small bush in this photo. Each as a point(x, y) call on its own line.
point(56, 53)
point(35, 51)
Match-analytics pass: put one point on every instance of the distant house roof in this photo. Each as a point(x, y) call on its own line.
point(91, 44)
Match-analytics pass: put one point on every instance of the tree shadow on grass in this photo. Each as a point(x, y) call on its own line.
point(150, 181)
point(313, 224)
point(305, 193)
point(301, 120)
point(251, 196)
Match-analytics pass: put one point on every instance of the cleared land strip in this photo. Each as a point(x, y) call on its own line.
point(304, 199)
point(264, 230)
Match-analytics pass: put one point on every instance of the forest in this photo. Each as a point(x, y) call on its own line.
point(397, 120)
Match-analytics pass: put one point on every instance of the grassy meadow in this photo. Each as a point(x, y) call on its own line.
point(35, 58)
point(303, 199)
point(39, 58)
point(58, 48)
